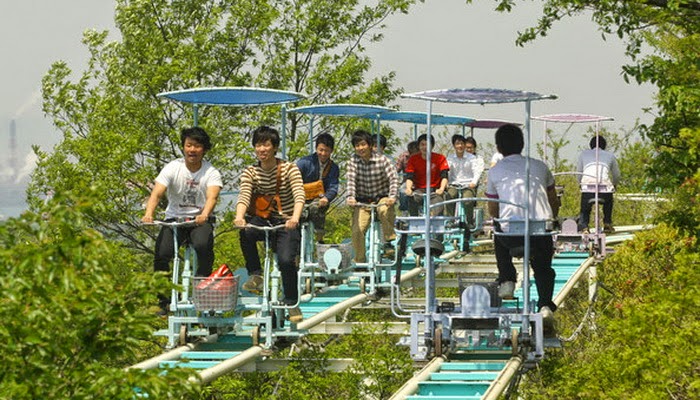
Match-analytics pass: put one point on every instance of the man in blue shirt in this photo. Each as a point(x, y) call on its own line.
point(319, 167)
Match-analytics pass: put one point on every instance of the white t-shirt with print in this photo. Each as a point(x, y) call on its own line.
point(187, 191)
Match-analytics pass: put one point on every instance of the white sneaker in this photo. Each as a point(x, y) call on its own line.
point(506, 289)
point(547, 319)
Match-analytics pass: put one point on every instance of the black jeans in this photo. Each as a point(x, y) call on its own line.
point(587, 206)
point(541, 252)
point(285, 244)
point(202, 239)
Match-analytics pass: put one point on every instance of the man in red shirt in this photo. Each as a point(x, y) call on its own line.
point(416, 177)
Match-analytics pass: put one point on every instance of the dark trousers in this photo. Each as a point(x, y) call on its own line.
point(285, 244)
point(587, 206)
point(464, 193)
point(541, 252)
point(317, 215)
point(202, 239)
point(416, 203)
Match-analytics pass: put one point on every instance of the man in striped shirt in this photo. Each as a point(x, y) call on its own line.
point(281, 182)
point(371, 179)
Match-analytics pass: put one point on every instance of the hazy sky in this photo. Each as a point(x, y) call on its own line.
point(441, 44)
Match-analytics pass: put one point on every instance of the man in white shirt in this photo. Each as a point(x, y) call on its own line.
point(465, 173)
point(597, 167)
point(506, 181)
point(192, 185)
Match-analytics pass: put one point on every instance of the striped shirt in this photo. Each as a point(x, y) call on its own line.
point(255, 180)
point(372, 179)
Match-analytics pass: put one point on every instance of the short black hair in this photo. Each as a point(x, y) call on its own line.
point(382, 140)
point(264, 133)
point(197, 134)
point(361, 135)
point(470, 139)
point(509, 140)
point(327, 139)
point(601, 143)
point(458, 137)
point(425, 137)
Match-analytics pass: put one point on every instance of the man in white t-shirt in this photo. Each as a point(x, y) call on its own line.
point(506, 181)
point(192, 185)
point(465, 174)
point(601, 170)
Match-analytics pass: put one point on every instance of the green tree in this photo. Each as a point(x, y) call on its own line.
point(117, 133)
point(671, 30)
point(73, 312)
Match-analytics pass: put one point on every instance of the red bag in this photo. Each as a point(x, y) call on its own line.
point(213, 277)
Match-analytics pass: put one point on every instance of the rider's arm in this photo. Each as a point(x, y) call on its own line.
point(351, 175)
point(245, 194)
point(554, 201)
point(208, 209)
point(492, 206)
point(158, 191)
point(443, 185)
point(333, 180)
point(478, 169)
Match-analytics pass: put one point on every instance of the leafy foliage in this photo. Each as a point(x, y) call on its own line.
point(645, 315)
point(117, 132)
point(75, 311)
point(670, 29)
point(378, 369)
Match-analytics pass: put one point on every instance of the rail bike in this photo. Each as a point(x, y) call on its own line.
point(481, 320)
point(205, 306)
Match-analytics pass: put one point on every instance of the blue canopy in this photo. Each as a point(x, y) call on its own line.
point(478, 96)
point(233, 96)
point(342, 110)
point(416, 117)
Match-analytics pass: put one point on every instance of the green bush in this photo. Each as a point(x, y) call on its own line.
point(75, 311)
point(645, 343)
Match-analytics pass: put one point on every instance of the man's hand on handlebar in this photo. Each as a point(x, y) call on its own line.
point(291, 224)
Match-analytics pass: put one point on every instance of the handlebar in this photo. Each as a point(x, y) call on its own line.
point(262, 227)
point(178, 222)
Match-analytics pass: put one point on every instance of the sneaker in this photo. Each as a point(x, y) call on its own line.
point(547, 319)
point(608, 228)
point(506, 289)
point(295, 315)
point(254, 283)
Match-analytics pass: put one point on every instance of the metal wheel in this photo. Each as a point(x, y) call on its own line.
point(256, 335)
point(183, 334)
point(417, 261)
point(308, 285)
point(363, 284)
point(514, 342)
point(437, 339)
